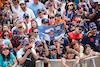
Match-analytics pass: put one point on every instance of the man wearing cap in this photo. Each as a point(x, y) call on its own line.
point(37, 5)
point(16, 40)
point(92, 37)
point(26, 57)
point(40, 50)
point(59, 20)
point(40, 16)
point(25, 10)
point(45, 22)
point(76, 34)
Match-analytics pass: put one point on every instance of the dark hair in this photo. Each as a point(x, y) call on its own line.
point(5, 32)
point(1, 25)
point(85, 47)
point(35, 21)
point(30, 35)
point(66, 7)
point(34, 29)
point(74, 43)
point(8, 56)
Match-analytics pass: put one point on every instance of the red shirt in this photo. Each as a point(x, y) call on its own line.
point(73, 37)
point(30, 30)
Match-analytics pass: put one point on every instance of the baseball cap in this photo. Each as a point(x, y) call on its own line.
point(39, 11)
point(16, 33)
point(52, 47)
point(25, 41)
point(26, 15)
point(55, 40)
point(80, 26)
point(4, 47)
point(79, 6)
point(44, 21)
point(19, 26)
point(50, 4)
point(70, 3)
point(37, 43)
point(21, 2)
point(58, 14)
point(77, 19)
point(92, 25)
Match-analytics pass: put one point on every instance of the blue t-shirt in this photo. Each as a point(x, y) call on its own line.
point(34, 8)
point(7, 63)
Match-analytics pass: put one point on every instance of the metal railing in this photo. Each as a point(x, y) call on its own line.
point(88, 62)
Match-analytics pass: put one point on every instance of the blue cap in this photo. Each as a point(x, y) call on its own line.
point(16, 33)
point(25, 41)
point(44, 21)
point(58, 14)
point(39, 11)
point(26, 15)
point(50, 4)
point(37, 43)
point(55, 40)
point(52, 47)
point(7, 42)
point(92, 25)
point(79, 6)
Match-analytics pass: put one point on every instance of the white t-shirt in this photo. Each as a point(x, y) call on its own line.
point(28, 11)
point(38, 19)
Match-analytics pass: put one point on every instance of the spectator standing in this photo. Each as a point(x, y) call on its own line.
point(37, 5)
point(25, 10)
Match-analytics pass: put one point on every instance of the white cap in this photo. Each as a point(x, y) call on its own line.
point(95, 1)
point(21, 2)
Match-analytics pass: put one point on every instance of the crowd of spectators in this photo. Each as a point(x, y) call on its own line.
point(20, 44)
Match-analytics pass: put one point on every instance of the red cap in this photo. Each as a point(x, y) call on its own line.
point(77, 19)
point(4, 46)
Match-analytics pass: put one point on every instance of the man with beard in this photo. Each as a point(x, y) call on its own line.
point(92, 37)
point(37, 5)
point(24, 10)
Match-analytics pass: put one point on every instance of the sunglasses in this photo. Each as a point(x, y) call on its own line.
point(51, 17)
point(78, 21)
point(26, 17)
point(81, 29)
point(53, 50)
point(40, 45)
point(35, 32)
point(70, 5)
point(6, 35)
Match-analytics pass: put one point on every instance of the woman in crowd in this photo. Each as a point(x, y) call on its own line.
point(51, 9)
point(69, 11)
point(77, 47)
point(1, 33)
point(33, 24)
point(7, 58)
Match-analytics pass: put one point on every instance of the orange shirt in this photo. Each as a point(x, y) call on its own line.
point(1, 3)
point(62, 21)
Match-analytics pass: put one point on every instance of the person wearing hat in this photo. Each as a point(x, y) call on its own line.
point(7, 59)
point(59, 20)
point(26, 56)
point(40, 17)
point(92, 37)
point(54, 52)
point(83, 14)
point(51, 9)
point(25, 10)
point(45, 22)
point(16, 40)
point(27, 21)
point(37, 5)
point(76, 34)
point(40, 50)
